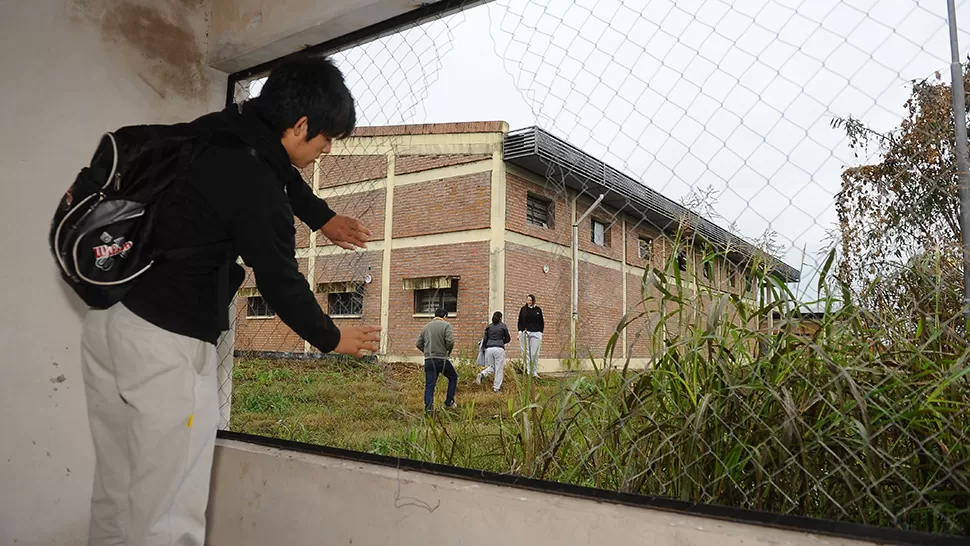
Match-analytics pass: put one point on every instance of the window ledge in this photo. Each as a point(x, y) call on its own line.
point(261, 317)
point(431, 315)
point(346, 316)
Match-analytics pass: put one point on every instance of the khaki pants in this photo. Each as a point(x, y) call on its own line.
point(153, 409)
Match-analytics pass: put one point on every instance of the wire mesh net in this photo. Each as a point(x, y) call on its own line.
point(739, 220)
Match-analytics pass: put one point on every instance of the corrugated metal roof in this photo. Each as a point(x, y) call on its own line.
point(565, 165)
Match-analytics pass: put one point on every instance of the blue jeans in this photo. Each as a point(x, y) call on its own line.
point(433, 367)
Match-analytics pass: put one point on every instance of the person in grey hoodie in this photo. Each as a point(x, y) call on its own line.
point(493, 345)
point(437, 340)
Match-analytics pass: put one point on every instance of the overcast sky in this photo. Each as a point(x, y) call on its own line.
point(735, 96)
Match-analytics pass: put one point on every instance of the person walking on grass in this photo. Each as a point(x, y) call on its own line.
point(530, 327)
point(437, 340)
point(149, 362)
point(493, 345)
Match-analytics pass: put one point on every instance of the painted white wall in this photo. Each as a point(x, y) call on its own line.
point(72, 70)
point(264, 495)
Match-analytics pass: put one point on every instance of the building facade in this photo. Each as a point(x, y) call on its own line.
point(473, 218)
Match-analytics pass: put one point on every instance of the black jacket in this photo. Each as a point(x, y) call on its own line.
point(248, 200)
point(496, 335)
point(530, 319)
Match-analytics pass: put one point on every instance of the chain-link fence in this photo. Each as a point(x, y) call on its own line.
point(739, 220)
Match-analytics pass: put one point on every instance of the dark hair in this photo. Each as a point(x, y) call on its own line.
point(311, 86)
point(496, 317)
point(531, 297)
point(440, 312)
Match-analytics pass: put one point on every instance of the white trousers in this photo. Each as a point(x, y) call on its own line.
point(495, 363)
point(531, 342)
point(153, 409)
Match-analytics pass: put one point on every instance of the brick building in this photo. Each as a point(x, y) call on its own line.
point(474, 217)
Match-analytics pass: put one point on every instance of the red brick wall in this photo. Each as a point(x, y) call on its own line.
point(404, 164)
point(368, 207)
point(258, 334)
point(517, 191)
point(600, 308)
point(467, 260)
point(264, 334)
point(648, 312)
point(337, 170)
point(431, 128)
point(440, 206)
point(523, 276)
point(353, 267)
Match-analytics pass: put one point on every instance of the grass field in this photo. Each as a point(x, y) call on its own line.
point(368, 406)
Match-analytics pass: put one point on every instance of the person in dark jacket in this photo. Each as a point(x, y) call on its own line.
point(493, 345)
point(530, 327)
point(149, 362)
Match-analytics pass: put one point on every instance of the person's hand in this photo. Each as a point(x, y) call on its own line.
point(354, 340)
point(346, 232)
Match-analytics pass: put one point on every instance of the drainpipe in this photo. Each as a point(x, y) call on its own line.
point(575, 314)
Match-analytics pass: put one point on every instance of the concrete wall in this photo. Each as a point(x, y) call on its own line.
point(72, 70)
point(264, 496)
point(249, 32)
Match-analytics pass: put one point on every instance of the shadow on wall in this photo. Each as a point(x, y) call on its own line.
point(156, 38)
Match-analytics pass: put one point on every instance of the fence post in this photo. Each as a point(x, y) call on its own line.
point(225, 347)
point(963, 162)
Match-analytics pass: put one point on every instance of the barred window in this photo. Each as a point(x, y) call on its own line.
point(256, 307)
point(538, 211)
point(645, 248)
point(346, 304)
point(428, 300)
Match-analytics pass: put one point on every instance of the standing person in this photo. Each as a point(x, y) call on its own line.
point(493, 345)
point(437, 340)
point(530, 327)
point(149, 362)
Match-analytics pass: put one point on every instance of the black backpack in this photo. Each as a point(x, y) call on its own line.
point(101, 232)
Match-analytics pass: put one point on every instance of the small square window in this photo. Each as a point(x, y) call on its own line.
point(645, 248)
point(256, 307)
point(598, 236)
point(734, 278)
point(427, 301)
point(538, 211)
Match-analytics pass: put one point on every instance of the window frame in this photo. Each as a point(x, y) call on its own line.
point(357, 296)
point(541, 203)
point(250, 299)
point(592, 237)
point(442, 292)
point(648, 241)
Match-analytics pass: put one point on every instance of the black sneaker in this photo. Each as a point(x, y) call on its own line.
point(452, 405)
